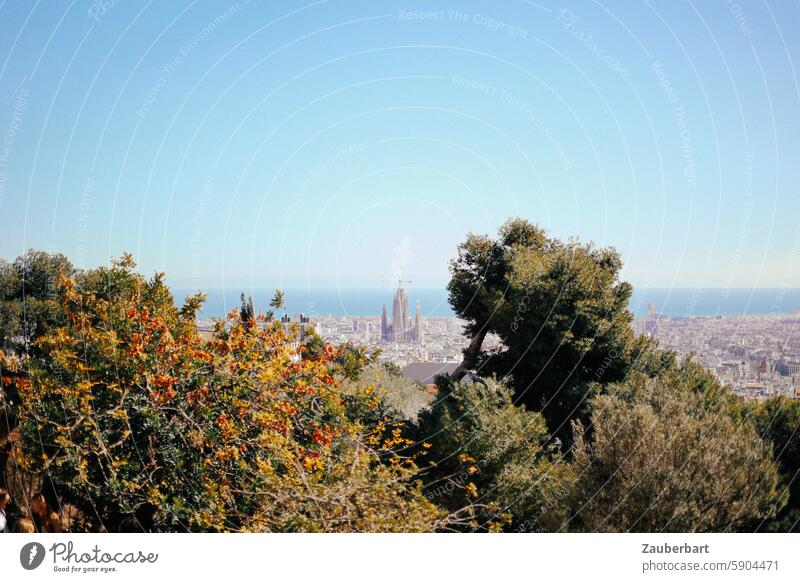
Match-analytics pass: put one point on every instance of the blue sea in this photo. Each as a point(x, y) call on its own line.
point(318, 302)
point(678, 302)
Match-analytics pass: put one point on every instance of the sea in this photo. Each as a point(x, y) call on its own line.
point(676, 302)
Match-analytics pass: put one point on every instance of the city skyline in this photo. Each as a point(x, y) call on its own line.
point(754, 356)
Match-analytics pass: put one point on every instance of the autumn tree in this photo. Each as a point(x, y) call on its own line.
point(87, 414)
point(29, 308)
point(144, 426)
point(670, 454)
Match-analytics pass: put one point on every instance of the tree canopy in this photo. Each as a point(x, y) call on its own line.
point(28, 300)
point(559, 309)
point(777, 420)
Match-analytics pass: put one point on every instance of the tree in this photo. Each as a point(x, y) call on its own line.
point(778, 421)
point(143, 426)
point(278, 300)
point(559, 309)
point(670, 454)
point(89, 406)
point(492, 462)
point(247, 311)
point(402, 397)
point(351, 359)
point(28, 310)
point(28, 306)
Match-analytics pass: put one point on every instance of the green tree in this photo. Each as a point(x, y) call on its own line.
point(778, 421)
point(247, 311)
point(401, 397)
point(670, 454)
point(351, 359)
point(29, 309)
point(278, 300)
point(559, 309)
point(491, 462)
point(28, 298)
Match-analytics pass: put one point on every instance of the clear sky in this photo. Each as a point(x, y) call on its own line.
point(346, 143)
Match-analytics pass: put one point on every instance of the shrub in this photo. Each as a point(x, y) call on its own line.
point(142, 425)
point(493, 463)
point(669, 454)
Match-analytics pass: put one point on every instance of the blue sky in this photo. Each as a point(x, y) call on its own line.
point(339, 143)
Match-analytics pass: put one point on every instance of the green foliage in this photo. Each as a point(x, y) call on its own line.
point(28, 299)
point(493, 462)
point(559, 309)
point(278, 300)
point(670, 454)
point(247, 311)
point(778, 421)
point(392, 369)
point(313, 345)
point(353, 358)
point(140, 424)
point(400, 397)
point(647, 358)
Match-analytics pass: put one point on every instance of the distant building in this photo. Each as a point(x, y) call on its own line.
point(426, 371)
point(787, 367)
point(744, 370)
point(386, 327)
point(418, 324)
point(652, 321)
point(300, 324)
point(401, 329)
point(297, 328)
point(400, 315)
point(734, 369)
point(762, 369)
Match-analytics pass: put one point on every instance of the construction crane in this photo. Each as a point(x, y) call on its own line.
point(399, 281)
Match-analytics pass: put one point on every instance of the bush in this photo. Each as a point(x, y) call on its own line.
point(778, 421)
point(401, 397)
point(493, 463)
point(670, 454)
point(143, 426)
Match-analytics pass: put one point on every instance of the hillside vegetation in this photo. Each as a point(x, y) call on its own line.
point(117, 416)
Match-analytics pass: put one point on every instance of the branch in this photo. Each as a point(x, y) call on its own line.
point(471, 354)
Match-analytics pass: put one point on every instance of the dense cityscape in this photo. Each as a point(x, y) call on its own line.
point(401, 338)
point(756, 356)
